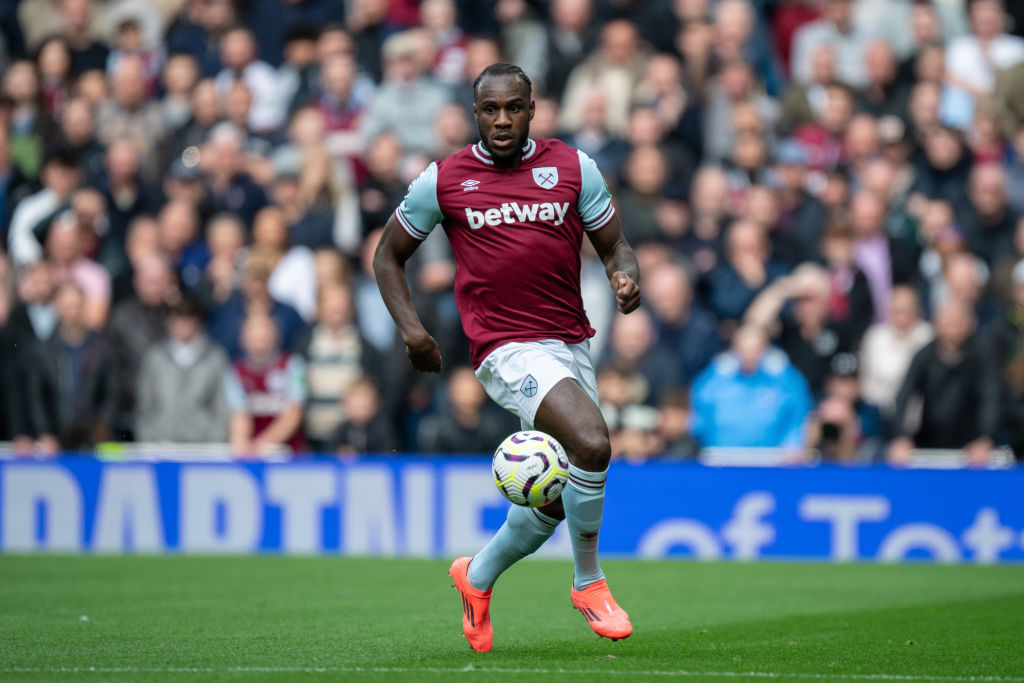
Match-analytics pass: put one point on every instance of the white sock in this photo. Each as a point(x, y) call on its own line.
point(583, 500)
point(524, 531)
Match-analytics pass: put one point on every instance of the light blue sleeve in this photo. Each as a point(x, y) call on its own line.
point(595, 202)
point(419, 212)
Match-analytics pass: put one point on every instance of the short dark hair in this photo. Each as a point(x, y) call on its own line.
point(503, 69)
point(187, 307)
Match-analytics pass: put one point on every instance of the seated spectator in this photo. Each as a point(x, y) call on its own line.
point(405, 82)
point(364, 429)
point(751, 397)
point(180, 392)
point(836, 28)
point(136, 325)
point(178, 224)
point(889, 347)
point(293, 279)
point(885, 260)
point(266, 392)
point(673, 428)
point(73, 380)
point(225, 238)
point(65, 253)
point(683, 329)
point(804, 103)
point(60, 176)
point(801, 215)
point(987, 219)
point(804, 328)
point(238, 55)
point(466, 424)
point(252, 297)
point(632, 348)
point(958, 387)
point(129, 114)
point(33, 126)
point(615, 68)
point(336, 357)
point(231, 188)
point(747, 269)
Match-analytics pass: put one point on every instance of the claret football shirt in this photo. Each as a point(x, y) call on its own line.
point(516, 235)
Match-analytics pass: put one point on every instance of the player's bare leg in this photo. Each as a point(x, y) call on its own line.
point(571, 416)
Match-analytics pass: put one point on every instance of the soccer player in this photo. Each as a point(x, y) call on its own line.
point(515, 210)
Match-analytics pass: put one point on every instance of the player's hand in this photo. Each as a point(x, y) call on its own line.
point(424, 353)
point(627, 292)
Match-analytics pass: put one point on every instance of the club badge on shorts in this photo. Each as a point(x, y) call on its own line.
point(546, 176)
point(529, 387)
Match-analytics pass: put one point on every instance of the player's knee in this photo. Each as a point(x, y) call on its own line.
point(593, 452)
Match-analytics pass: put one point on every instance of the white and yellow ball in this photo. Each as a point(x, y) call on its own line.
point(530, 468)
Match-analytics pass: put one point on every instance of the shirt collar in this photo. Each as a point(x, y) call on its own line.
point(481, 153)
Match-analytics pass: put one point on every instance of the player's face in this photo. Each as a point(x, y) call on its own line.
point(503, 112)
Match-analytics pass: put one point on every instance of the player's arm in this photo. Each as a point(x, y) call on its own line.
point(394, 249)
point(619, 262)
point(604, 229)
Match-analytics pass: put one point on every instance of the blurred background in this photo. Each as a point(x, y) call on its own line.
point(825, 197)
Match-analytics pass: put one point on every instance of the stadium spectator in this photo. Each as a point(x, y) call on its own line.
point(231, 187)
point(73, 380)
point(30, 125)
point(241, 63)
point(885, 260)
point(266, 391)
point(251, 298)
point(60, 177)
point(469, 425)
point(615, 68)
point(987, 219)
point(336, 357)
point(973, 60)
point(683, 329)
point(632, 349)
point(673, 427)
point(13, 186)
point(808, 329)
point(404, 82)
point(956, 382)
point(129, 114)
point(136, 325)
point(883, 93)
point(751, 397)
point(364, 429)
point(64, 241)
point(225, 237)
point(180, 390)
point(835, 28)
point(804, 103)
point(293, 278)
point(127, 194)
point(745, 271)
point(889, 347)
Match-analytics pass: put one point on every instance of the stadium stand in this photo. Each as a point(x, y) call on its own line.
point(826, 198)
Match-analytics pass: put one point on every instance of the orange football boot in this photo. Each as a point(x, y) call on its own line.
point(606, 618)
point(476, 618)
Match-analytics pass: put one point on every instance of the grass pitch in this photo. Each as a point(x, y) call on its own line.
point(273, 618)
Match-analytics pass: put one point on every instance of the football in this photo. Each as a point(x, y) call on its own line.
point(530, 468)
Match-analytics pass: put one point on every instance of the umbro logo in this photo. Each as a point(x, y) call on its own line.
point(470, 184)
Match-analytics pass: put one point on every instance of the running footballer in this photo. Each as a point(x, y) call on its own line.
point(515, 211)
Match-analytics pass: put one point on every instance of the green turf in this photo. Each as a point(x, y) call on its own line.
point(272, 618)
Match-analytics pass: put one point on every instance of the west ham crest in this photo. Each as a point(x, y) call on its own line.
point(546, 176)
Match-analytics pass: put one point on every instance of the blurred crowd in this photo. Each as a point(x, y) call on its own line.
point(825, 197)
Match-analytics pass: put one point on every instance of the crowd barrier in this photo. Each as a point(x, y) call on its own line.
point(444, 506)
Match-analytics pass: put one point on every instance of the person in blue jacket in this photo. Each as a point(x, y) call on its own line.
point(751, 397)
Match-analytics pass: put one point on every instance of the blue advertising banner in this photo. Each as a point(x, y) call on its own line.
point(410, 506)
